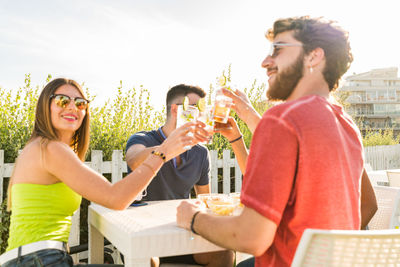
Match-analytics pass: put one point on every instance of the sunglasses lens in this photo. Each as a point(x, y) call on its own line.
point(62, 100)
point(81, 103)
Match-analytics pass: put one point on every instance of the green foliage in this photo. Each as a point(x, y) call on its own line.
point(114, 122)
point(17, 112)
point(380, 138)
point(4, 225)
point(341, 97)
point(256, 95)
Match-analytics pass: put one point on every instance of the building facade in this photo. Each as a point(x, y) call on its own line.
point(374, 99)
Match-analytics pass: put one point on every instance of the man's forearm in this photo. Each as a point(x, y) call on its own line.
point(252, 119)
point(219, 230)
point(241, 154)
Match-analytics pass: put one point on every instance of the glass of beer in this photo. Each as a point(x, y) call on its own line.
point(222, 107)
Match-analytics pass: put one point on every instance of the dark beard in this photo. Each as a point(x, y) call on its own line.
point(286, 81)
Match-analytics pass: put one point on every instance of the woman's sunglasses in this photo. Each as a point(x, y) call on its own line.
point(63, 101)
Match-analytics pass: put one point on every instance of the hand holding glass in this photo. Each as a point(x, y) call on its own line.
point(222, 108)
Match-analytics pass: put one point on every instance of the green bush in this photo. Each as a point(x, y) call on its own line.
point(17, 112)
point(380, 138)
point(115, 121)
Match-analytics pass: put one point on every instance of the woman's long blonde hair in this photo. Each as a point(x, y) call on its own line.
point(44, 128)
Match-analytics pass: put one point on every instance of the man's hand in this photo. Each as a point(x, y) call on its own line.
point(185, 212)
point(243, 108)
point(229, 130)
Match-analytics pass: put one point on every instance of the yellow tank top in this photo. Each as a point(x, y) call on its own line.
point(41, 212)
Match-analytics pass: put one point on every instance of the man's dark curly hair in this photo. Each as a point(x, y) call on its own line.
point(317, 32)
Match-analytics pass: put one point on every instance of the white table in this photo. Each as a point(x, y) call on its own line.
point(142, 232)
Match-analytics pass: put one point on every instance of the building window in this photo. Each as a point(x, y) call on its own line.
point(379, 109)
point(382, 95)
point(371, 96)
point(392, 95)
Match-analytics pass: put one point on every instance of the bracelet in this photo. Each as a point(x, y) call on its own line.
point(191, 224)
point(160, 154)
point(148, 166)
point(237, 139)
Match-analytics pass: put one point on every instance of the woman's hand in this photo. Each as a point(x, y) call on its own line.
point(183, 138)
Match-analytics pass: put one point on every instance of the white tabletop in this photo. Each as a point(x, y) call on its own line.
point(142, 232)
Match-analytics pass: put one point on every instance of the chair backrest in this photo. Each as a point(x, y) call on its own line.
point(343, 248)
point(387, 215)
point(393, 178)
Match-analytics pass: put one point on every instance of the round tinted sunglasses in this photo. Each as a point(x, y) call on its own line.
point(64, 100)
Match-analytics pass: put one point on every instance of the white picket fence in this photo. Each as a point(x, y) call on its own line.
point(383, 157)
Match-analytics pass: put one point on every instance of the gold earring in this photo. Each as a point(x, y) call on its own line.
point(311, 70)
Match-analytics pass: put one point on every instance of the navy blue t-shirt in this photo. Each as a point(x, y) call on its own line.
point(174, 182)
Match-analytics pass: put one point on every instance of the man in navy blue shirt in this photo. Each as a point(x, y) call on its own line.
point(177, 177)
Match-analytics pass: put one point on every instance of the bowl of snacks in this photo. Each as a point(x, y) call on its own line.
point(205, 198)
point(221, 207)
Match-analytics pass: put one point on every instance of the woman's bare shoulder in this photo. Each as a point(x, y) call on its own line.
point(40, 145)
point(32, 163)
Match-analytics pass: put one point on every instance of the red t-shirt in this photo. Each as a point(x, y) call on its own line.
point(303, 171)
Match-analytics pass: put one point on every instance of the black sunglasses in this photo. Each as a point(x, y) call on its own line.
point(64, 100)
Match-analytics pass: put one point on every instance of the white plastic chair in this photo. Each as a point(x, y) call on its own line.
point(387, 215)
point(344, 248)
point(393, 178)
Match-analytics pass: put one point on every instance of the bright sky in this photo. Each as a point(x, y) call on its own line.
point(161, 43)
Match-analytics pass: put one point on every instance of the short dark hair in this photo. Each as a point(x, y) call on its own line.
point(325, 34)
point(181, 90)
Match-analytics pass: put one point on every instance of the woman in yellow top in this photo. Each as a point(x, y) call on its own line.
point(50, 177)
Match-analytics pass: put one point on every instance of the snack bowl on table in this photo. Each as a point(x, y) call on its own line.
point(205, 198)
point(221, 207)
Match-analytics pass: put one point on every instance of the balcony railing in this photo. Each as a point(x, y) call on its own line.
point(354, 100)
point(373, 113)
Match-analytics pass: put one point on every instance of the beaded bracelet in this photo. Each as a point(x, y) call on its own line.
point(192, 222)
point(160, 154)
point(237, 139)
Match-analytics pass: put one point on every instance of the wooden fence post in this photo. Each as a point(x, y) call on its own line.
point(117, 166)
point(97, 160)
point(238, 177)
point(226, 175)
point(214, 171)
